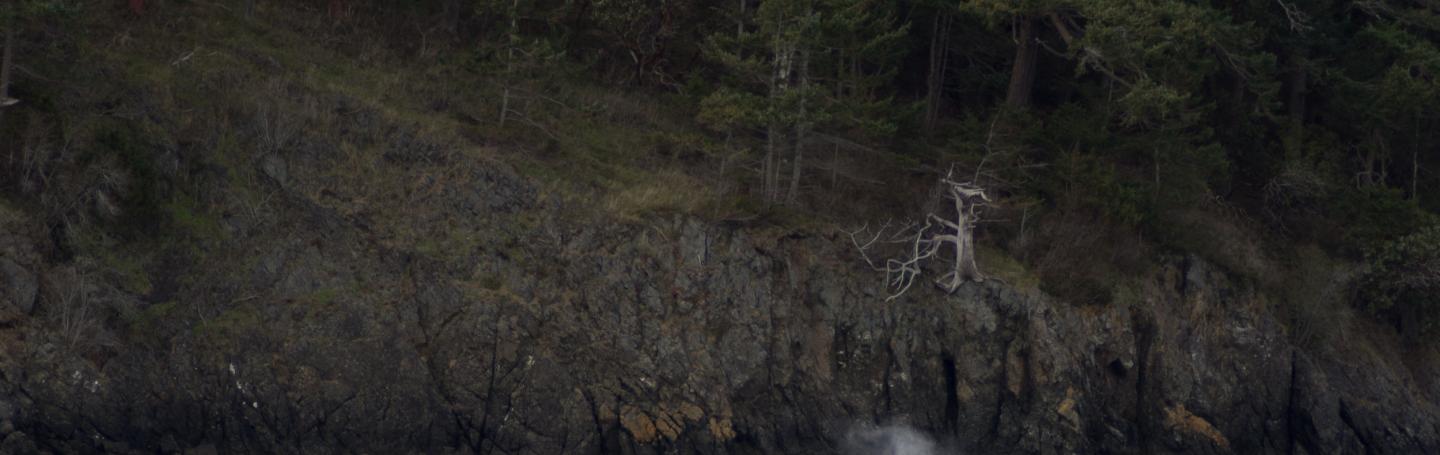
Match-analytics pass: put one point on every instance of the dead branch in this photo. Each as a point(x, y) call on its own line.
point(926, 240)
point(1299, 21)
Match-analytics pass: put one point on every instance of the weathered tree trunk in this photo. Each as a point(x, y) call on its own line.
point(1377, 166)
point(772, 132)
point(803, 75)
point(1415, 161)
point(505, 105)
point(1299, 81)
point(1295, 104)
point(1022, 73)
point(336, 9)
point(772, 137)
point(6, 63)
point(965, 200)
point(740, 32)
point(939, 59)
point(509, 61)
point(781, 65)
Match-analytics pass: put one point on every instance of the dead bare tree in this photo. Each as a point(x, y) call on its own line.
point(925, 241)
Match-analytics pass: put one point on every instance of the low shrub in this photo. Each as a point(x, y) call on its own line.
point(1402, 285)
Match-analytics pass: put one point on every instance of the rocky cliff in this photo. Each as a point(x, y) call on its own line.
point(473, 312)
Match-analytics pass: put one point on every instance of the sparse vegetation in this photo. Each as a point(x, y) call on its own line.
point(1403, 282)
point(1129, 156)
point(322, 221)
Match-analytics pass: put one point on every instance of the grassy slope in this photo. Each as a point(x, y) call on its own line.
point(594, 138)
point(217, 91)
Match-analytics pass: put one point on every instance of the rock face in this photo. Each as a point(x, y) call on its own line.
point(18, 285)
point(530, 332)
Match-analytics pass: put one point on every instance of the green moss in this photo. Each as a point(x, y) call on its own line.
point(10, 211)
point(129, 145)
point(1127, 292)
point(133, 276)
point(193, 221)
point(157, 311)
point(322, 297)
point(491, 282)
point(228, 324)
point(149, 324)
point(122, 262)
point(996, 263)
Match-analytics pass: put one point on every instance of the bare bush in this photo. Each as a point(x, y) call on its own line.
point(36, 153)
point(1316, 292)
point(71, 311)
point(1297, 189)
point(276, 125)
point(1080, 258)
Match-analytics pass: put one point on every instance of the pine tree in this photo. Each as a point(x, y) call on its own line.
point(798, 65)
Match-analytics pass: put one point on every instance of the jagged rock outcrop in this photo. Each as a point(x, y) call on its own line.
point(19, 286)
point(699, 338)
point(503, 322)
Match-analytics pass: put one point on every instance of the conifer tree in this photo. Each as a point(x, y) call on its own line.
point(800, 65)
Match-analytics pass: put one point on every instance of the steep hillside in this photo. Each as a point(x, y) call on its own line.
point(220, 233)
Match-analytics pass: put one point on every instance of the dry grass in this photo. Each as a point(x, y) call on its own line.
point(1317, 290)
point(1082, 259)
point(1224, 238)
point(998, 264)
point(666, 191)
point(1310, 290)
point(71, 311)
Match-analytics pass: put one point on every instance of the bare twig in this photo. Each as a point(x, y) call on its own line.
point(925, 241)
point(184, 57)
point(1299, 21)
point(855, 241)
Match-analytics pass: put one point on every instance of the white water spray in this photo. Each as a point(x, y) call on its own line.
point(888, 440)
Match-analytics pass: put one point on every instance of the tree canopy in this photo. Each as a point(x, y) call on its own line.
point(1311, 121)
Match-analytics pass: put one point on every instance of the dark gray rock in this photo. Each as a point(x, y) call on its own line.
point(20, 287)
point(275, 168)
point(497, 322)
point(205, 449)
point(18, 442)
point(106, 206)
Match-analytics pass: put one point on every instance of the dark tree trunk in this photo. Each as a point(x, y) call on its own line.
point(5, 64)
point(939, 58)
point(336, 9)
point(803, 70)
point(1299, 81)
point(1022, 74)
point(1298, 89)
